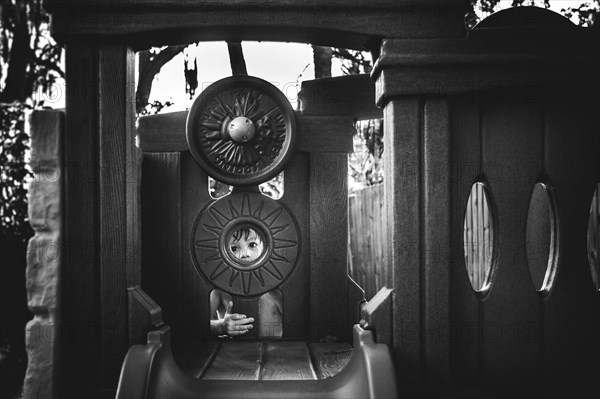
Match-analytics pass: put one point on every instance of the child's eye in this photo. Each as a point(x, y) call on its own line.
point(253, 245)
point(233, 248)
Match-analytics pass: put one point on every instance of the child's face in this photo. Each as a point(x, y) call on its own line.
point(246, 245)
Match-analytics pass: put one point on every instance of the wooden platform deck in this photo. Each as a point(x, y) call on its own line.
point(265, 360)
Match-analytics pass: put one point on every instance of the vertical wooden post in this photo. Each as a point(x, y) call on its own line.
point(328, 243)
point(403, 156)
point(417, 193)
point(101, 215)
point(437, 242)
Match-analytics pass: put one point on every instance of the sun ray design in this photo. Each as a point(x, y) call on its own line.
point(258, 210)
point(219, 269)
point(273, 270)
point(211, 125)
point(272, 217)
point(279, 258)
point(224, 109)
point(246, 281)
point(281, 243)
point(220, 147)
point(213, 229)
point(278, 229)
point(258, 275)
point(246, 205)
point(234, 275)
point(218, 217)
point(234, 213)
point(209, 244)
point(217, 111)
point(214, 257)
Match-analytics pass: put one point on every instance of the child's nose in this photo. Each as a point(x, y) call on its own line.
point(245, 253)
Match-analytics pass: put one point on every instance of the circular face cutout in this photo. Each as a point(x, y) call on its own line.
point(241, 130)
point(245, 243)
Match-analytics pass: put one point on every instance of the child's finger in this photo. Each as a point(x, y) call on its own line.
point(244, 321)
point(237, 316)
point(242, 327)
point(229, 307)
point(237, 332)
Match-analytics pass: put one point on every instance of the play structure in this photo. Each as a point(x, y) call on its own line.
point(507, 110)
point(243, 131)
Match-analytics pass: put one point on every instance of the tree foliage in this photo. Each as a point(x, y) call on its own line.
point(14, 172)
point(29, 66)
point(30, 58)
point(584, 14)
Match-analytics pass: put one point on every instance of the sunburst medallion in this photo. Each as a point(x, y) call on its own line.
point(245, 243)
point(241, 130)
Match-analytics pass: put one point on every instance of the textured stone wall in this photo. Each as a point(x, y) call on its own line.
point(43, 252)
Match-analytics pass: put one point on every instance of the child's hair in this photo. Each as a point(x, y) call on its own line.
point(247, 233)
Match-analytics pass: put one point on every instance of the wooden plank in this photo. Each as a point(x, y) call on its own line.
point(329, 358)
point(198, 358)
point(196, 290)
point(571, 323)
point(447, 66)
point(166, 133)
point(325, 134)
point(144, 315)
point(352, 95)
point(436, 245)
point(328, 243)
point(102, 228)
point(116, 77)
point(79, 359)
point(511, 152)
point(386, 4)
point(163, 132)
point(296, 302)
point(286, 361)
point(464, 302)
point(345, 25)
point(236, 360)
point(161, 237)
point(402, 140)
point(377, 316)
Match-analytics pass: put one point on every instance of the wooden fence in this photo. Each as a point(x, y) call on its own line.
point(367, 239)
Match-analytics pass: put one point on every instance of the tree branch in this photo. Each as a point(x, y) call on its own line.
point(236, 58)
point(149, 67)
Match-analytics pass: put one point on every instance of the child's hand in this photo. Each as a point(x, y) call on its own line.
point(233, 323)
point(236, 324)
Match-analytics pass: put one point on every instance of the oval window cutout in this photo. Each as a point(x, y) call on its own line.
point(593, 238)
point(541, 238)
point(478, 238)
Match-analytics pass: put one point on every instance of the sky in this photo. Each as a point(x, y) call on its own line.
point(285, 65)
